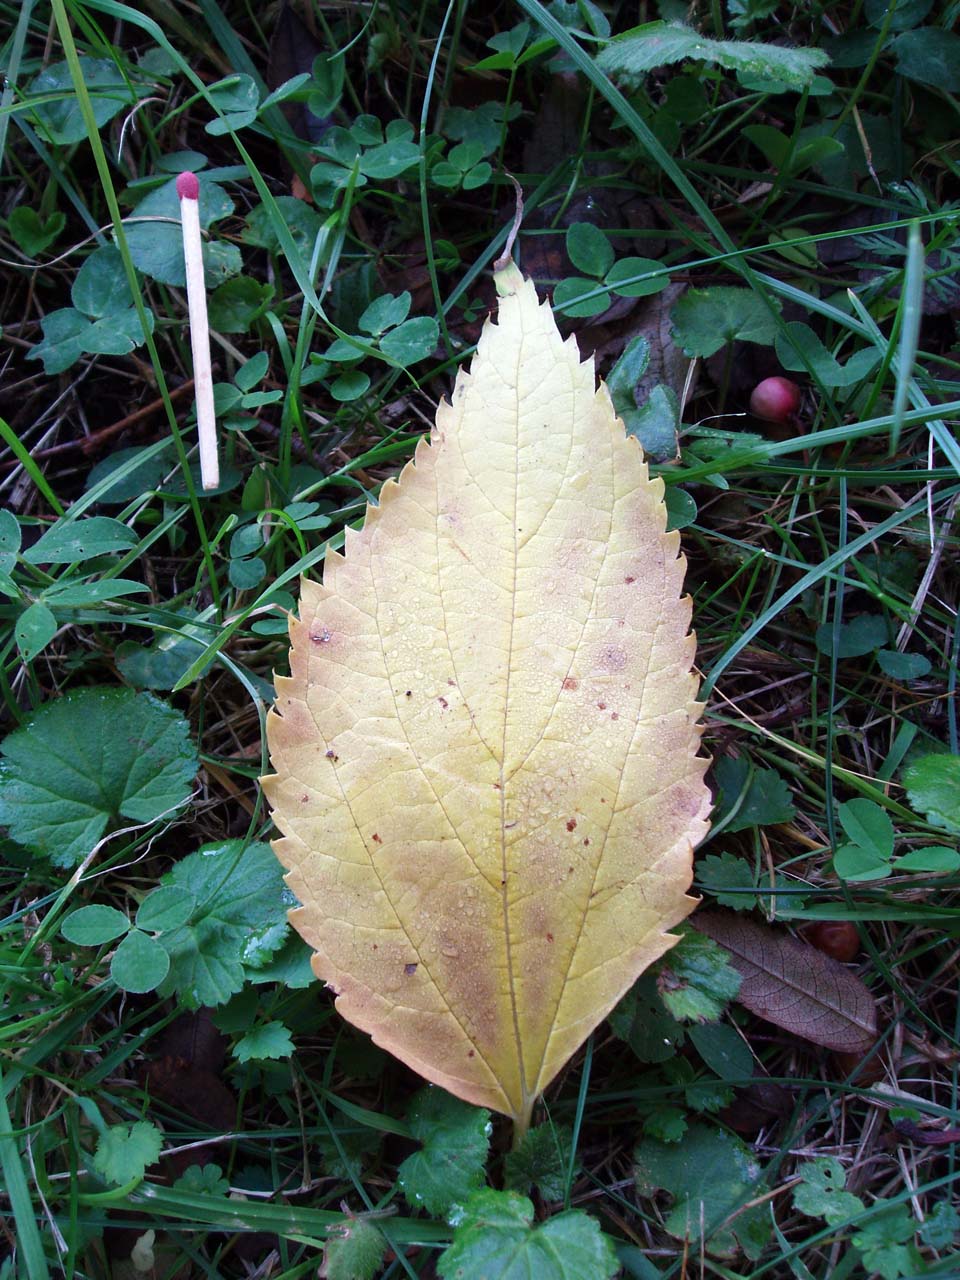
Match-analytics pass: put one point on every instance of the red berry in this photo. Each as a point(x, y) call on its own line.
point(775, 400)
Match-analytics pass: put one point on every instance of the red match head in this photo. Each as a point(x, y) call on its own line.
point(188, 188)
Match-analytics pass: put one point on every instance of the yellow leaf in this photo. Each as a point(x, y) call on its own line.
point(486, 769)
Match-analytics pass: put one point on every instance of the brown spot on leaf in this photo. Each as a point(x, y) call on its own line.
point(444, 703)
point(408, 694)
point(601, 706)
point(614, 715)
point(304, 799)
point(572, 824)
point(587, 841)
point(471, 1053)
point(409, 970)
point(549, 937)
point(571, 682)
point(331, 755)
point(629, 580)
point(376, 839)
point(613, 658)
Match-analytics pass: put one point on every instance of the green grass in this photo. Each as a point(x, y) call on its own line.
point(802, 538)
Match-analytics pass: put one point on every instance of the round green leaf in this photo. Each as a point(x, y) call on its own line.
point(136, 479)
point(61, 119)
point(933, 785)
point(725, 1053)
point(31, 233)
point(245, 574)
point(495, 1238)
point(237, 303)
point(414, 340)
point(854, 862)
point(623, 271)
point(931, 56)
point(903, 666)
point(567, 295)
point(101, 285)
point(350, 385)
point(94, 925)
point(166, 907)
point(478, 176)
point(681, 507)
point(385, 312)
point(139, 964)
point(589, 249)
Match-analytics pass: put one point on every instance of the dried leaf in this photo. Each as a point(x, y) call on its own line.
point(795, 986)
point(486, 770)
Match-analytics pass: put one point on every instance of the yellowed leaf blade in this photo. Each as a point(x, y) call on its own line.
point(485, 756)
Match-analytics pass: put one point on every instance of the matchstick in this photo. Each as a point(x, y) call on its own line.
point(188, 190)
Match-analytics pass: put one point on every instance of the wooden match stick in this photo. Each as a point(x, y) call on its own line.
point(188, 190)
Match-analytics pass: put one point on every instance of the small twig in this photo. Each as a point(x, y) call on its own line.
point(507, 255)
point(91, 443)
point(188, 189)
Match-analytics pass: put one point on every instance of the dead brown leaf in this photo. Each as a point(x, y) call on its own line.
point(795, 986)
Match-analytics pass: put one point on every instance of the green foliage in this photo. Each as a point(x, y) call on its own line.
point(933, 787)
point(654, 423)
point(658, 44)
point(125, 1150)
point(742, 886)
point(942, 1227)
point(205, 1179)
point(270, 1040)
point(696, 979)
point(751, 797)
point(724, 1051)
point(929, 55)
point(542, 1159)
point(591, 252)
point(710, 1174)
point(139, 963)
point(56, 109)
point(493, 1240)
point(869, 855)
point(156, 242)
point(354, 1251)
point(871, 835)
point(88, 760)
point(800, 350)
point(704, 320)
point(67, 542)
point(449, 1166)
point(642, 1020)
point(820, 1192)
point(886, 1243)
point(237, 923)
point(31, 232)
